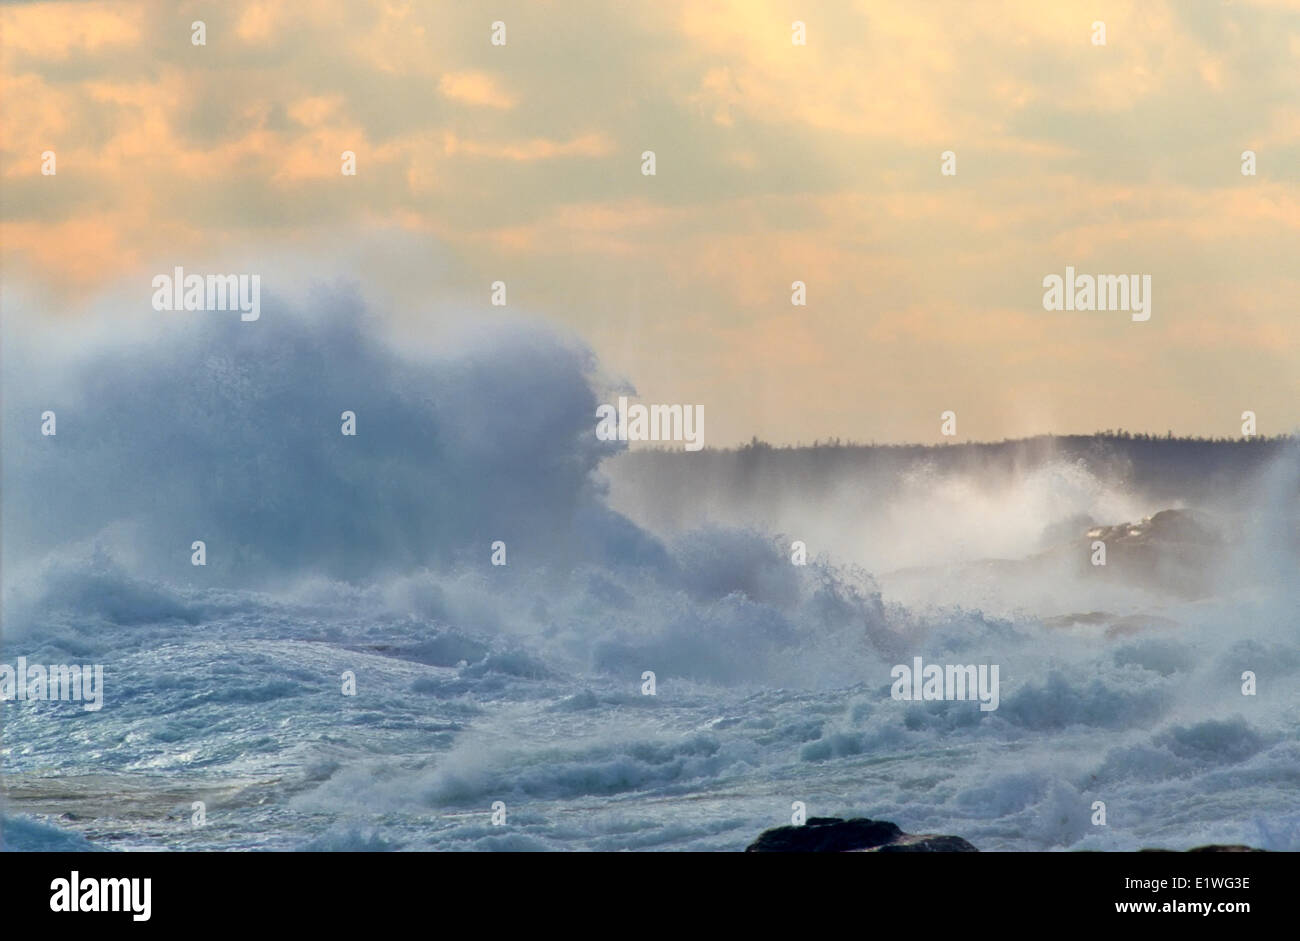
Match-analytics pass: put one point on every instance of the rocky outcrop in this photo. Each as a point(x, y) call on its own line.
point(1177, 551)
point(925, 843)
point(858, 835)
point(862, 835)
point(1213, 848)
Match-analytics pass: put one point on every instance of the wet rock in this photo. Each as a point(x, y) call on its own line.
point(925, 843)
point(1213, 848)
point(858, 835)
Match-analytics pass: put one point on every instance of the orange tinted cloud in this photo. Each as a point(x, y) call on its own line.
point(475, 88)
point(777, 163)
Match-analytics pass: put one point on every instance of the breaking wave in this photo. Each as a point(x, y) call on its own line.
point(523, 683)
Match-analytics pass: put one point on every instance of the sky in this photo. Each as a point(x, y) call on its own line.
point(775, 162)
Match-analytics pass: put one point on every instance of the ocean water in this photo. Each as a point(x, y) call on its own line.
point(524, 683)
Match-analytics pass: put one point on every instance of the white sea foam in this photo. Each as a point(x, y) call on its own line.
point(522, 683)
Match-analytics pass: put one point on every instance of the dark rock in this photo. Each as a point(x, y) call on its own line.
point(826, 835)
point(859, 835)
point(926, 843)
point(1212, 848)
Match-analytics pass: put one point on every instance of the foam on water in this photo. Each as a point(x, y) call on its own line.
point(522, 683)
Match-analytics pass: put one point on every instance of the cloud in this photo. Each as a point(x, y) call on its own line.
point(776, 162)
point(475, 88)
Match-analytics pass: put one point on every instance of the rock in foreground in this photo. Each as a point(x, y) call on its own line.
point(1213, 848)
point(859, 835)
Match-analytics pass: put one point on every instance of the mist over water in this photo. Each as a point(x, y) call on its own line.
point(523, 683)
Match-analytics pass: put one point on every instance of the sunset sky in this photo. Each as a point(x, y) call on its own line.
point(775, 163)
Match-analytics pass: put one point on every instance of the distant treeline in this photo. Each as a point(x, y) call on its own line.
point(1107, 435)
point(1163, 467)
